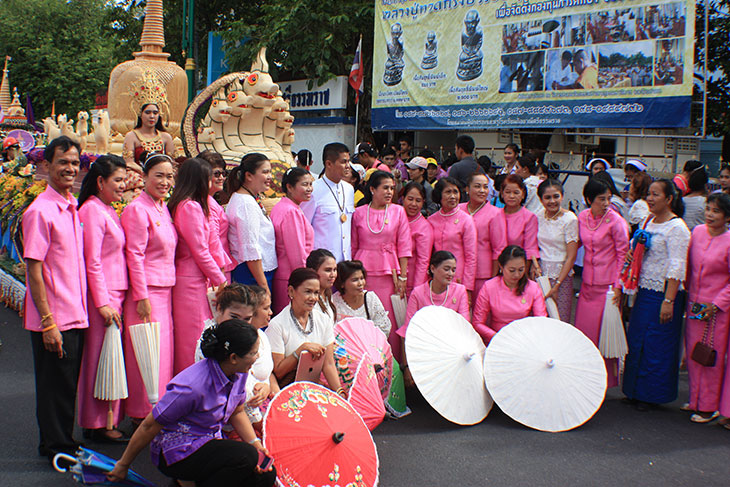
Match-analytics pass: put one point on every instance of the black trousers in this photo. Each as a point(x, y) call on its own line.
point(220, 463)
point(55, 391)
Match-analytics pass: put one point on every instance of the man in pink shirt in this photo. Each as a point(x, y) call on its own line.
point(55, 300)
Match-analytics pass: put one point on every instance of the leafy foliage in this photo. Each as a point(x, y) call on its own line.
point(718, 63)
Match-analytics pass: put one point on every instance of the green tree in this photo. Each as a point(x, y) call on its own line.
point(62, 51)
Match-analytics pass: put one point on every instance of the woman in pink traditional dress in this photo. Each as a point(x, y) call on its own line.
point(508, 297)
point(151, 239)
point(440, 290)
point(219, 247)
point(490, 240)
point(454, 231)
point(518, 223)
point(604, 235)
point(294, 235)
point(557, 236)
point(106, 274)
point(708, 281)
point(195, 267)
point(381, 240)
point(414, 197)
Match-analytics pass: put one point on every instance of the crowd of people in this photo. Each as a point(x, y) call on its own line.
point(460, 239)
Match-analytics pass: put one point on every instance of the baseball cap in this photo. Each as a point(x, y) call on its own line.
point(10, 142)
point(433, 161)
point(366, 148)
point(417, 162)
point(359, 169)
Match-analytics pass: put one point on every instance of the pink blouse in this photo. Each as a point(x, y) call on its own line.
point(453, 298)
point(193, 258)
point(606, 241)
point(151, 239)
point(106, 267)
point(520, 229)
point(491, 240)
point(294, 236)
point(422, 243)
point(381, 241)
point(219, 248)
point(708, 279)
point(497, 306)
point(457, 234)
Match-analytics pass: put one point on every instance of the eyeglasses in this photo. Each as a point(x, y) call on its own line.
point(220, 174)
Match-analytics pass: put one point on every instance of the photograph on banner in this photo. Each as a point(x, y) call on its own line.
point(625, 65)
point(436, 65)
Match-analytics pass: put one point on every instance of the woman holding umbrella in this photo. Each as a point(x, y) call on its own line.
point(654, 335)
point(490, 241)
point(324, 264)
point(195, 267)
point(381, 240)
point(557, 237)
point(708, 281)
point(508, 297)
point(293, 234)
point(184, 428)
point(151, 239)
point(455, 232)
point(517, 223)
point(414, 197)
point(106, 274)
point(299, 328)
point(605, 239)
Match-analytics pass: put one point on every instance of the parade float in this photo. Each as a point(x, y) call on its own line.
point(237, 114)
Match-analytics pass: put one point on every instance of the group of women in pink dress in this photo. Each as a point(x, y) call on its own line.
point(160, 259)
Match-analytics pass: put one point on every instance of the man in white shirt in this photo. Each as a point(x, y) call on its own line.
point(333, 203)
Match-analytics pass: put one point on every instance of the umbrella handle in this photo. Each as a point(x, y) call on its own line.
point(550, 363)
point(468, 356)
point(63, 456)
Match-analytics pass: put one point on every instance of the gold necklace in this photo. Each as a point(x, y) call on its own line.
point(599, 223)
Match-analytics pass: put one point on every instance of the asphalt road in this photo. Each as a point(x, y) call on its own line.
point(619, 446)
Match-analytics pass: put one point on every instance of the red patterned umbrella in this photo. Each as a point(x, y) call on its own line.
point(317, 438)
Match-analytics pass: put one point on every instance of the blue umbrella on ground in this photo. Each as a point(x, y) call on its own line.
point(90, 468)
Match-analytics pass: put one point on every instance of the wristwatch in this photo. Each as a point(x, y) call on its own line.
point(669, 301)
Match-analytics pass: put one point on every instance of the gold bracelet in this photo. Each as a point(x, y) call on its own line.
point(44, 318)
point(49, 328)
point(340, 390)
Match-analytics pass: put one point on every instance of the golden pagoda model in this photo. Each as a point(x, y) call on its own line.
point(5, 88)
point(149, 78)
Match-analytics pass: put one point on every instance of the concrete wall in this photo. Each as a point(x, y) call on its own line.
point(315, 137)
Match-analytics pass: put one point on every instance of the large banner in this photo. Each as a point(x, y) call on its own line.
point(476, 64)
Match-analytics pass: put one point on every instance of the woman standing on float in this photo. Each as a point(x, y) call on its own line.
point(148, 135)
point(605, 239)
point(381, 240)
point(151, 239)
point(454, 231)
point(490, 240)
point(195, 267)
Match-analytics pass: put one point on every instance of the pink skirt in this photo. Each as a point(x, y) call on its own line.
point(190, 309)
point(93, 412)
point(137, 404)
point(588, 319)
point(280, 296)
point(706, 383)
point(384, 288)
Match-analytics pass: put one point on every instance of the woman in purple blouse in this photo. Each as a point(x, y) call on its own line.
point(184, 428)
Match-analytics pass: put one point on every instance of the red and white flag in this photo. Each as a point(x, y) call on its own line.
point(356, 72)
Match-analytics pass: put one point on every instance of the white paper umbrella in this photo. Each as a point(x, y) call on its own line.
point(552, 307)
point(445, 357)
point(111, 375)
point(545, 374)
point(612, 341)
point(146, 344)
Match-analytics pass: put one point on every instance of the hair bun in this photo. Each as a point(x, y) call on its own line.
point(209, 342)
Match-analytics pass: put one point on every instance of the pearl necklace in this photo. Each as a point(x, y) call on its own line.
point(456, 210)
point(420, 215)
point(385, 220)
point(599, 223)
point(472, 213)
point(430, 294)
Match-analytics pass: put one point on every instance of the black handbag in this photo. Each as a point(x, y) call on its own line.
point(703, 353)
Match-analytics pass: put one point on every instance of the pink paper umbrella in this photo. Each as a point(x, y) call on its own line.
point(365, 395)
point(356, 338)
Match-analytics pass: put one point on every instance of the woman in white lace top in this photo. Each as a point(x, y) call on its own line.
point(250, 232)
point(557, 237)
point(352, 299)
point(652, 365)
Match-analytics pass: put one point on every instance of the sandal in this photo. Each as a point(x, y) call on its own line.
point(700, 418)
point(685, 407)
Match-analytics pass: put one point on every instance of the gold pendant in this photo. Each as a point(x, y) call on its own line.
point(343, 218)
point(157, 223)
point(456, 221)
point(386, 221)
point(453, 300)
point(523, 301)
